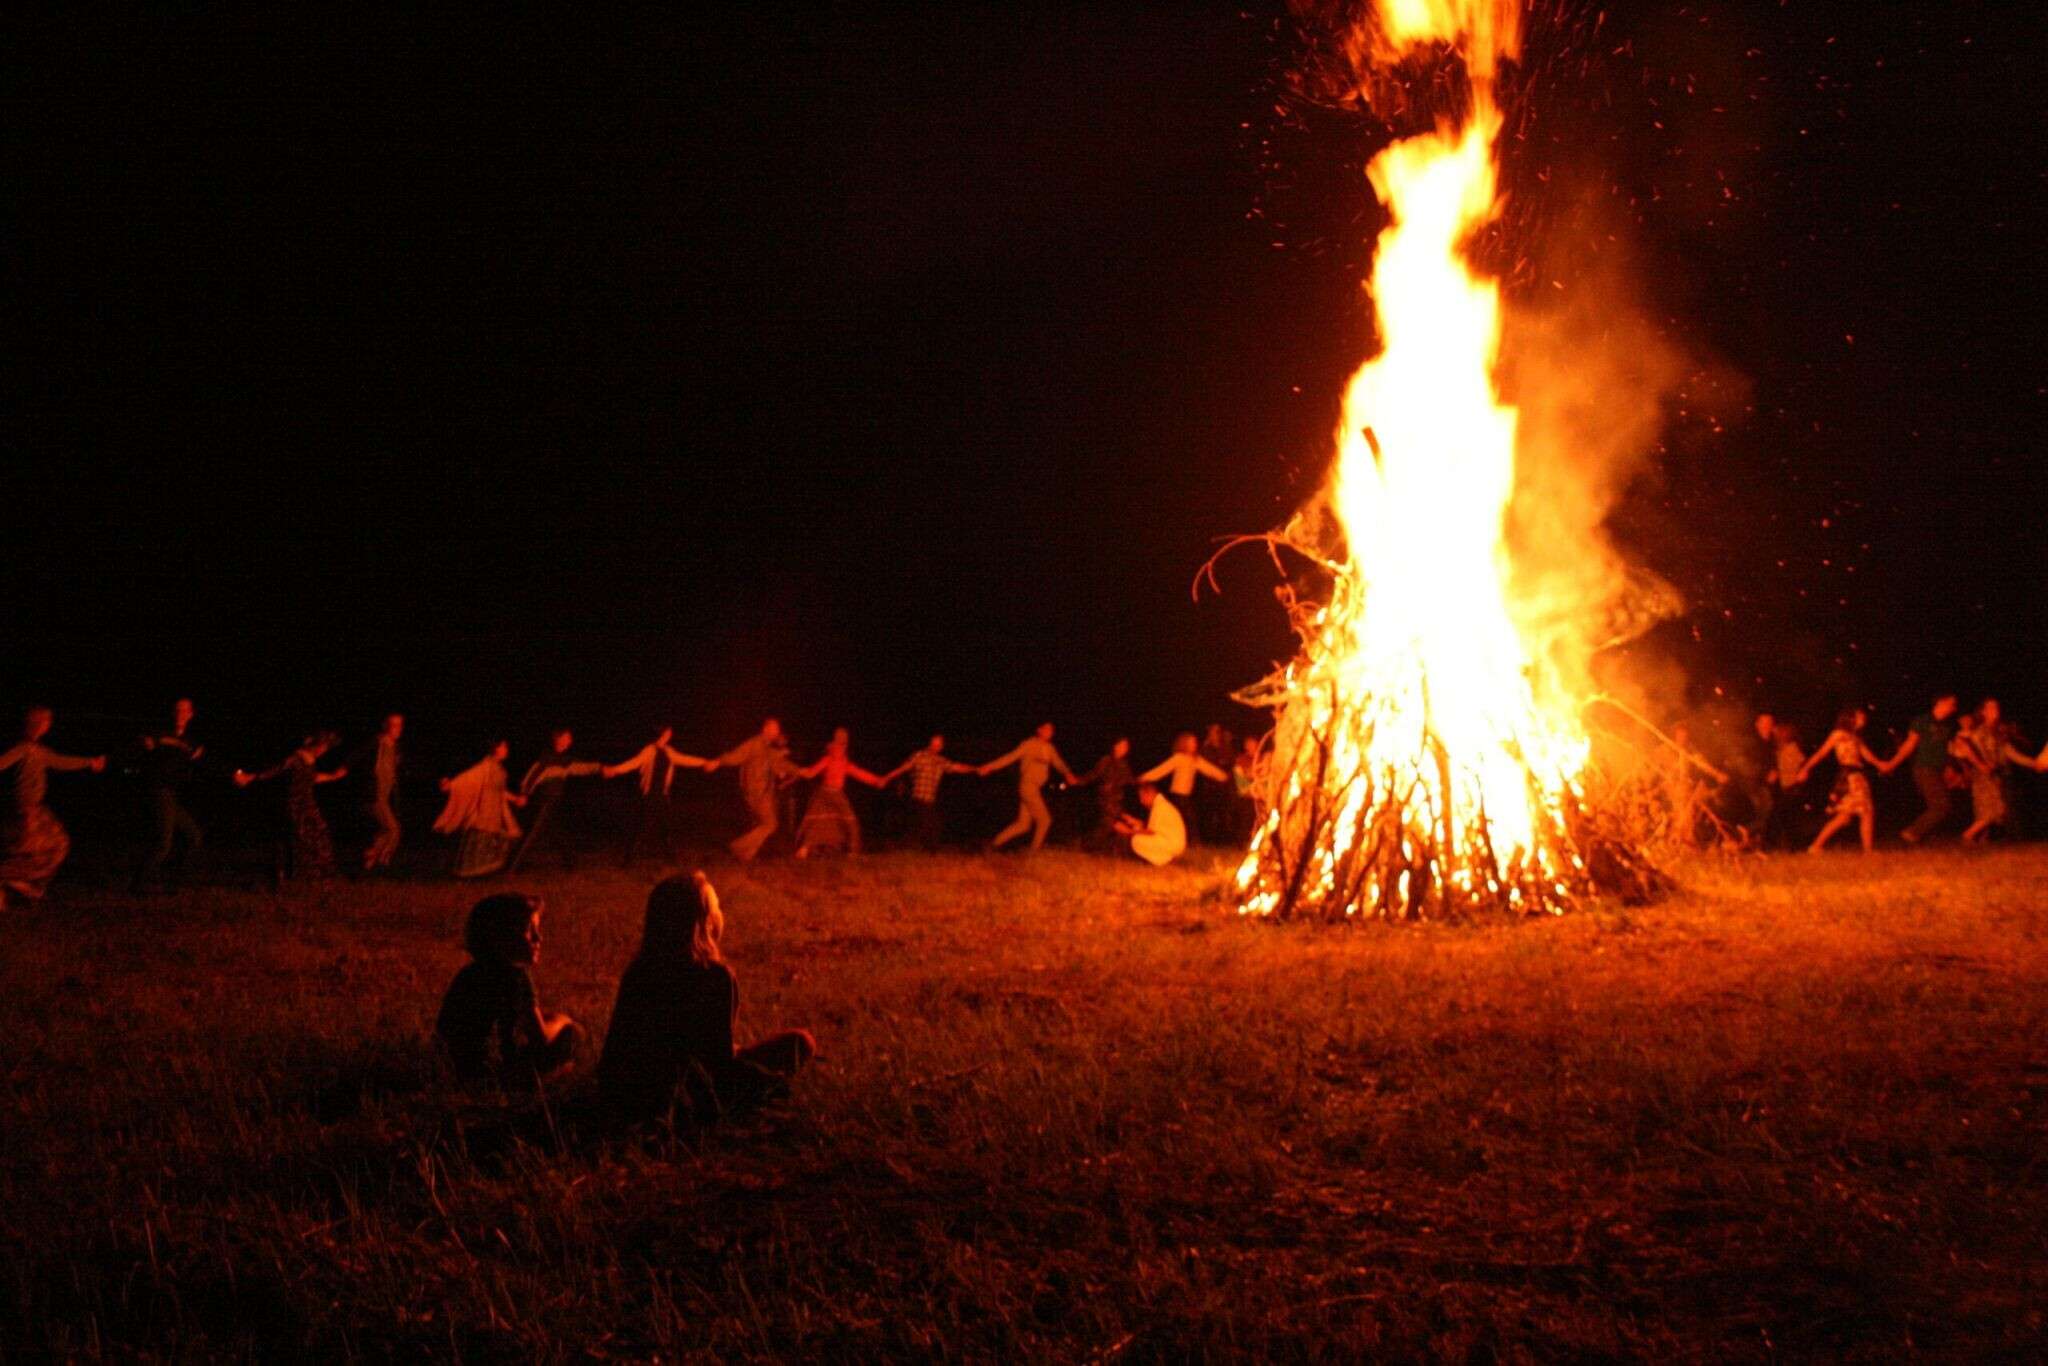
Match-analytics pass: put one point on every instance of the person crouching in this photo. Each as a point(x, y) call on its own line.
point(1162, 836)
point(671, 1045)
point(491, 1023)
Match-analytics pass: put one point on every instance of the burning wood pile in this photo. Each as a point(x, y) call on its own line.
point(1425, 763)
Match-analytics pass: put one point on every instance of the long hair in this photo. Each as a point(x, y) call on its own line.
point(683, 920)
point(1845, 719)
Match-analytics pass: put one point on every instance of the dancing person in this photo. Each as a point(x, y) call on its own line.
point(1112, 778)
point(672, 1044)
point(829, 824)
point(654, 765)
point(491, 1025)
point(1035, 759)
point(1987, 751)
point(544, 787)
point(169, 756)
point(1181, 769)
point(1214, 801)
point(33, 842)
point(1248, 788)
point(1753, 767)
point(1851, 798)
point(764, 766)
point(1787, 818)
point(479, 813)
point(304, 848)
point(927, 768)
point(382, 758)
point(1162, 836)
point(1927, 742)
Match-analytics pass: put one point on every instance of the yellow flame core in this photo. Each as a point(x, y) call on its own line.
point(1413, 722)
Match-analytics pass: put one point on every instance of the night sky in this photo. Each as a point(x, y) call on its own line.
point(901, 370)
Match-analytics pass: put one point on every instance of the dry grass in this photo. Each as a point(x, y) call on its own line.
point(1068, 1108)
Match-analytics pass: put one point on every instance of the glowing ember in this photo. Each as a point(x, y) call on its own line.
point(1419, 767)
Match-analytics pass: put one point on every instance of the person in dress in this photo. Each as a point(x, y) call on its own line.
point(927, 769)
point(1987, 752)
point(382, 759)
point(1851, 799)
point(546, 789)
point(1182, 769)
point(1035, 759)
point(764, 766)
point(829, 824)
point(479, 814)
point(1111, 777)
point(491, 1026)
point(33, 842)
point(653, 768)
point(672, 1048)
point(1927, 743)
point(169, 756)
point(1162, 836)
point(305, 848)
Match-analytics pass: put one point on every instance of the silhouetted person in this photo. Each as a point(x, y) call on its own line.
point(764, 766)
point(33, 843)
point(1181, 769)
point(545, 787)
point(829, 823)
point(1212, 803)
point(1248, 788)
point(479, 814)
point(491, 1024)
point(672, 1044)
point(653, 768)
point(1111, 777)
point(305, 849)
point(927, 769)
point(1162, 836)
point(1927, 742)
point(1035, 759)
point(381, 760)
point(168, 759)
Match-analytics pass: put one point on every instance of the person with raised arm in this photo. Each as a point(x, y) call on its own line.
point(168, 758)
point(1162, 836)
point(654, 766)
point(1851, 799)
point(1035, 759)
point(1927, 742)
point(33, 842)
point(544, 787)
point(479, 814)
point(1181, 769)
point(1987, 751)
point(304, 848)
point(1111, 777)
point(764, 766)
point(927, 769)
point(829, 825)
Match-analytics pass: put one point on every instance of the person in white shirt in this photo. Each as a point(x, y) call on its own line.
point(1181, 768)
point(1163, 836)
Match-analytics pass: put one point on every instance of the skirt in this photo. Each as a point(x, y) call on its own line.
point(1851, 794)
point(479, 853)
point(1987, 799)
point(829, 823)
point(32, 849)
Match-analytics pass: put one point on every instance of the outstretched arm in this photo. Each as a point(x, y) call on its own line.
point(71, 763)
point(633, 765)
point(1157, 771)
point(855, 771)
point(994, 765)
point(682, 760)
point(813, 771)
point(1209, 770)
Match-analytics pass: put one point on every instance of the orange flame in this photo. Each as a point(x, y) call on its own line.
point(1417, 721)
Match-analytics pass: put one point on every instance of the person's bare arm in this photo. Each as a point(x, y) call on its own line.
point(859, 774)
point(1209, 770)
point(995, 765)
point(682, 760)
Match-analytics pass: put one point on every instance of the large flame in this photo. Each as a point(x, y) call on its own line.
point(1418, 763)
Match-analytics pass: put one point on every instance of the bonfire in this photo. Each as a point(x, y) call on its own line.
point(1424, 763)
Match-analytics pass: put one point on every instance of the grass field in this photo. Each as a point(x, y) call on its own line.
point(1066, 1108)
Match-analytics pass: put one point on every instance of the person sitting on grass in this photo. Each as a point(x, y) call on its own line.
point(671, 1044)
point(1163, 836)
point(491, 1023)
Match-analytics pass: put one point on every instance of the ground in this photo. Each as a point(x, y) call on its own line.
point(1066, 1108)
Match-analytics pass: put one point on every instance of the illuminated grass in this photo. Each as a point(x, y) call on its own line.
point(1066, 1107)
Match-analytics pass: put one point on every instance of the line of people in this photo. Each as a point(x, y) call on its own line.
point(1947, 751)
point(1213, 783)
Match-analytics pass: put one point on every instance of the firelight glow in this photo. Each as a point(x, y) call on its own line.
point(1417, 766)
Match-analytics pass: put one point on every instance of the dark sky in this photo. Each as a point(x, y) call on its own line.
point(901, 370)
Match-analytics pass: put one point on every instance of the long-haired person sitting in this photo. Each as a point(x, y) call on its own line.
point(491, 1023)
point(671, 1042)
